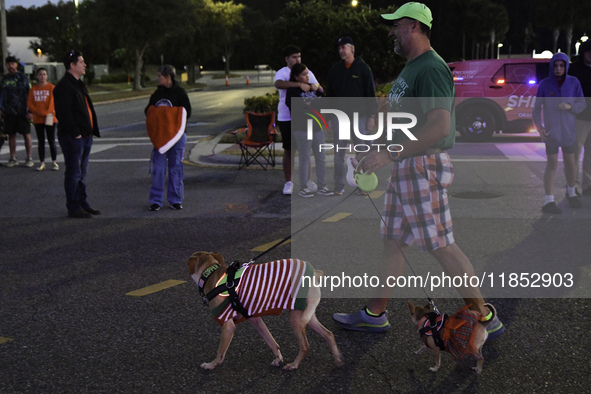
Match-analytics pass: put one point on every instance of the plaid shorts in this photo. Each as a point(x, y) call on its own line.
point(416, 206)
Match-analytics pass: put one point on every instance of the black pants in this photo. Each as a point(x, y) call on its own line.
point(41, 130)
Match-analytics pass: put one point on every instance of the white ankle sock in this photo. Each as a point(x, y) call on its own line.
point(548, 199)
point(571, 191)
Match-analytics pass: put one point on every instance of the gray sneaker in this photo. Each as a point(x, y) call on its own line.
point(495, 328)
point(361, 321)
point(29, 163)
point(12, 162)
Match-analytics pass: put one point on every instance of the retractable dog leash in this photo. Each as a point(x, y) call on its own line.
point(365, 183)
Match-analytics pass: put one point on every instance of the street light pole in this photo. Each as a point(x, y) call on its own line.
point(4, 34)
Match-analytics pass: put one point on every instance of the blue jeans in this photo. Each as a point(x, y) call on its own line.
point(174, 156)
point(76, 153)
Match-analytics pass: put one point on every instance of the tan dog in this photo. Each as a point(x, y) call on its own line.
point(282, 275)
point(461, 334)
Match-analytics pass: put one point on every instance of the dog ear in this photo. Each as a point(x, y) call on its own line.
point(427, 306)
point(193, 262)
point(218, 257)
point(411, 308)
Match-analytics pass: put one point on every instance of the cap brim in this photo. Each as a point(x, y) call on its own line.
point(390, 17)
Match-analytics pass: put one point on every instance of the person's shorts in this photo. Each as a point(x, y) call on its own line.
point(16, 124)
point(416, 206)
point(553, 150)
point(285, 130)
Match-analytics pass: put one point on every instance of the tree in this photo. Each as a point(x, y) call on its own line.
point(56, 27)
point(186, 47)
point(225, 27)
point(315, 27)
point(137, 24)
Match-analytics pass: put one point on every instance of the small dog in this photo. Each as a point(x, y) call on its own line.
point(461, 334)
point(262, 289)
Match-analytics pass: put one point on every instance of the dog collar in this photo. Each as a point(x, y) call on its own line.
point(205, 276)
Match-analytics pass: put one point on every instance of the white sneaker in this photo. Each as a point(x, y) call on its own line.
point(41, 166)
point(312, 186)
point(288, 187)
point(55, 167)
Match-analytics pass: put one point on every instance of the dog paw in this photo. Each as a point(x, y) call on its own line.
point(339, 362)
point(208, 366)
point(434, 369)
point(277, 362)
point(478, 370)
point(290, 367)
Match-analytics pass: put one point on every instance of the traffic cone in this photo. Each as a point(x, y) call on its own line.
point(227, 82)
point(247, 80)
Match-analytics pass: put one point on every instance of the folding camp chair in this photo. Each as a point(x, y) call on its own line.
point(259, 144)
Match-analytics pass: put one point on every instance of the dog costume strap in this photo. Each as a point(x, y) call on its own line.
point(433, 326)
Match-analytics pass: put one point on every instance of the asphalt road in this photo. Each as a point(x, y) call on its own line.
point(71, 322)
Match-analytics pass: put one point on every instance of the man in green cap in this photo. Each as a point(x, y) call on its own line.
point(416, 207)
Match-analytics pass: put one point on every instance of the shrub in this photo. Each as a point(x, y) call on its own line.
point(262, 104)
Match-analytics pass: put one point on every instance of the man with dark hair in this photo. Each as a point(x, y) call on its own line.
point(75, 130)
point(13, 109)
point(581, 69)
point(416, 207)
point(292, 56)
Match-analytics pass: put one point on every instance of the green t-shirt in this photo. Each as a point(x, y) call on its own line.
point(425, 83)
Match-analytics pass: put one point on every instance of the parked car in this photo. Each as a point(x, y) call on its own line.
point(496, 95)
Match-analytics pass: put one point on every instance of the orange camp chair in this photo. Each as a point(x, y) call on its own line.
point(259, 144)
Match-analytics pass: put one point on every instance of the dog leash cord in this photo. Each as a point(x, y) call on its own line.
point(404, 256)
point(302, 229)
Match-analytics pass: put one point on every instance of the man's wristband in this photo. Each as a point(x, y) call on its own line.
point(394, 156)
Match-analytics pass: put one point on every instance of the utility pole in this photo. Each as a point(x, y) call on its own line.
point(3, 33)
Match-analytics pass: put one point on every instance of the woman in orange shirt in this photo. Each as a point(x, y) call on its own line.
point(42, 112)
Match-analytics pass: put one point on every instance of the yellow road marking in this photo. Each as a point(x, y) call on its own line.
point(4, 340)
point(269, 245)
point(155, 288)
point(337, 217)
point(376, 194)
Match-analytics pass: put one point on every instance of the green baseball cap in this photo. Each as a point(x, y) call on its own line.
point(413, 10)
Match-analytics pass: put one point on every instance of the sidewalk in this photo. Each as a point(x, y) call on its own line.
point(209, 152)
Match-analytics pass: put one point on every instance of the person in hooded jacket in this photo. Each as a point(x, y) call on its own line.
point(581, 69)
point(559, 99)
point(168, 94)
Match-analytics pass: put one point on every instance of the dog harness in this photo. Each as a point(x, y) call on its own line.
point(454, 334)
point(263, 289)
point(228, 286)
point(432, 327)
